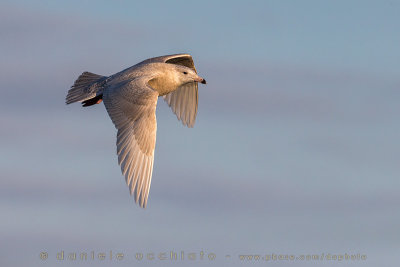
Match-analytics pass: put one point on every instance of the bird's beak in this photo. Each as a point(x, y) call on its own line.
point(200, 80)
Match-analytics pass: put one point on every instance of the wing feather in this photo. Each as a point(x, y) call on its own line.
point(183, 102)
point(179, 59)
point(132, 107)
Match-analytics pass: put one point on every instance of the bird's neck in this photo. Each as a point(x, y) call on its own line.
point(164, 84)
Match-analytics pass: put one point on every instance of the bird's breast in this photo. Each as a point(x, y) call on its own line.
point(162, 86)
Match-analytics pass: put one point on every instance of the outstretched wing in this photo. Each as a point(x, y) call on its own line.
point(132, 108)
point(185, 99)
point(179, 59)
point(183, 102)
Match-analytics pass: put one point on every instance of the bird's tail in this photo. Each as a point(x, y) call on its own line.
point(86, 87)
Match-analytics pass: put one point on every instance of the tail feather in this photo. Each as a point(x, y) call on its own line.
point(93, 101)
point(84, 88)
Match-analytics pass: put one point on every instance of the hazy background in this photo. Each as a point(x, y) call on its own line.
point(295, 149)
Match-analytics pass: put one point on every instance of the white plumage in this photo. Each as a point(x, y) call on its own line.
point(130, 97)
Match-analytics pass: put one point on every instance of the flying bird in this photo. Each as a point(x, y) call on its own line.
point(130, 98)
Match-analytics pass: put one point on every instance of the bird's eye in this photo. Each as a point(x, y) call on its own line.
point(184, 72)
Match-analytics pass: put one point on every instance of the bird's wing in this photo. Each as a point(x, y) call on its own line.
point(184, 100)
point(179, 59)
point(132, 108)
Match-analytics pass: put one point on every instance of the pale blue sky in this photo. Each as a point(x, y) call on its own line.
point(295, 148)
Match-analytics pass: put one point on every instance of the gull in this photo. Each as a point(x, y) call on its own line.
point(130, 98)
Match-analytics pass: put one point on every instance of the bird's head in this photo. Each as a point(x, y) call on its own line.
point(169, 77)
point(185, 75)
